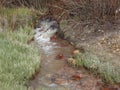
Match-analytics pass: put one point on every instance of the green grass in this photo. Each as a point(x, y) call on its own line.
point(14, 18)
point(18, 60)
point(108, 72)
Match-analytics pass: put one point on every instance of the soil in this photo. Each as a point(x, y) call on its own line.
point(94, 36)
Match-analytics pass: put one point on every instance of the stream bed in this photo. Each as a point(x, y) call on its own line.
point(55, 73)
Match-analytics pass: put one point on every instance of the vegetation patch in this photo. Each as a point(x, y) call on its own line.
point(18, 60)
point(14, 18)
point(104, 69)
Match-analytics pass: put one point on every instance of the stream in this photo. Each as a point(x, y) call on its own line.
point(55, 73)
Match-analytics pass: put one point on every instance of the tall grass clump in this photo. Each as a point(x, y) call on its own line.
point(104, 69)
point(37, 4)
point(18, 60)
point(92, 9)
point(14, 18)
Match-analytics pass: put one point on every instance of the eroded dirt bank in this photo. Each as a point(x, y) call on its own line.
point(101, 38)
point(94, 36)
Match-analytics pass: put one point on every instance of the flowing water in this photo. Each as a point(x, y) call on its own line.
point(55, 73)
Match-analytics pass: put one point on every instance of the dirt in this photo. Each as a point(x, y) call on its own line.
point(94, 36)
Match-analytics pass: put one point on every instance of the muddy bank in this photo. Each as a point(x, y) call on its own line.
point(100, 38)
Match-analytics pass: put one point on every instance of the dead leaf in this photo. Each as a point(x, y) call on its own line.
point(53, 38)
point(75, 52)
point(60, 56)
point(72, 61)
point(98, 83)
point(109, 88)
point(76, 77)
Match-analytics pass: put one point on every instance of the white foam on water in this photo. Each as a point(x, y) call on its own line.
point(44, 33)
point(117, 10)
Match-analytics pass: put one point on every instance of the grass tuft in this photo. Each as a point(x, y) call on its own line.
point(18, 60)
point(106, 70)
point(15, 18)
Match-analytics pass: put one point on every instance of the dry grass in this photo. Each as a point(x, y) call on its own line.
point(26, 3)
point(91, 9)
point(80, 9)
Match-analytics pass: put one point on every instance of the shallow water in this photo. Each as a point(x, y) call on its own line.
point(55, 73)
point(50, 61)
